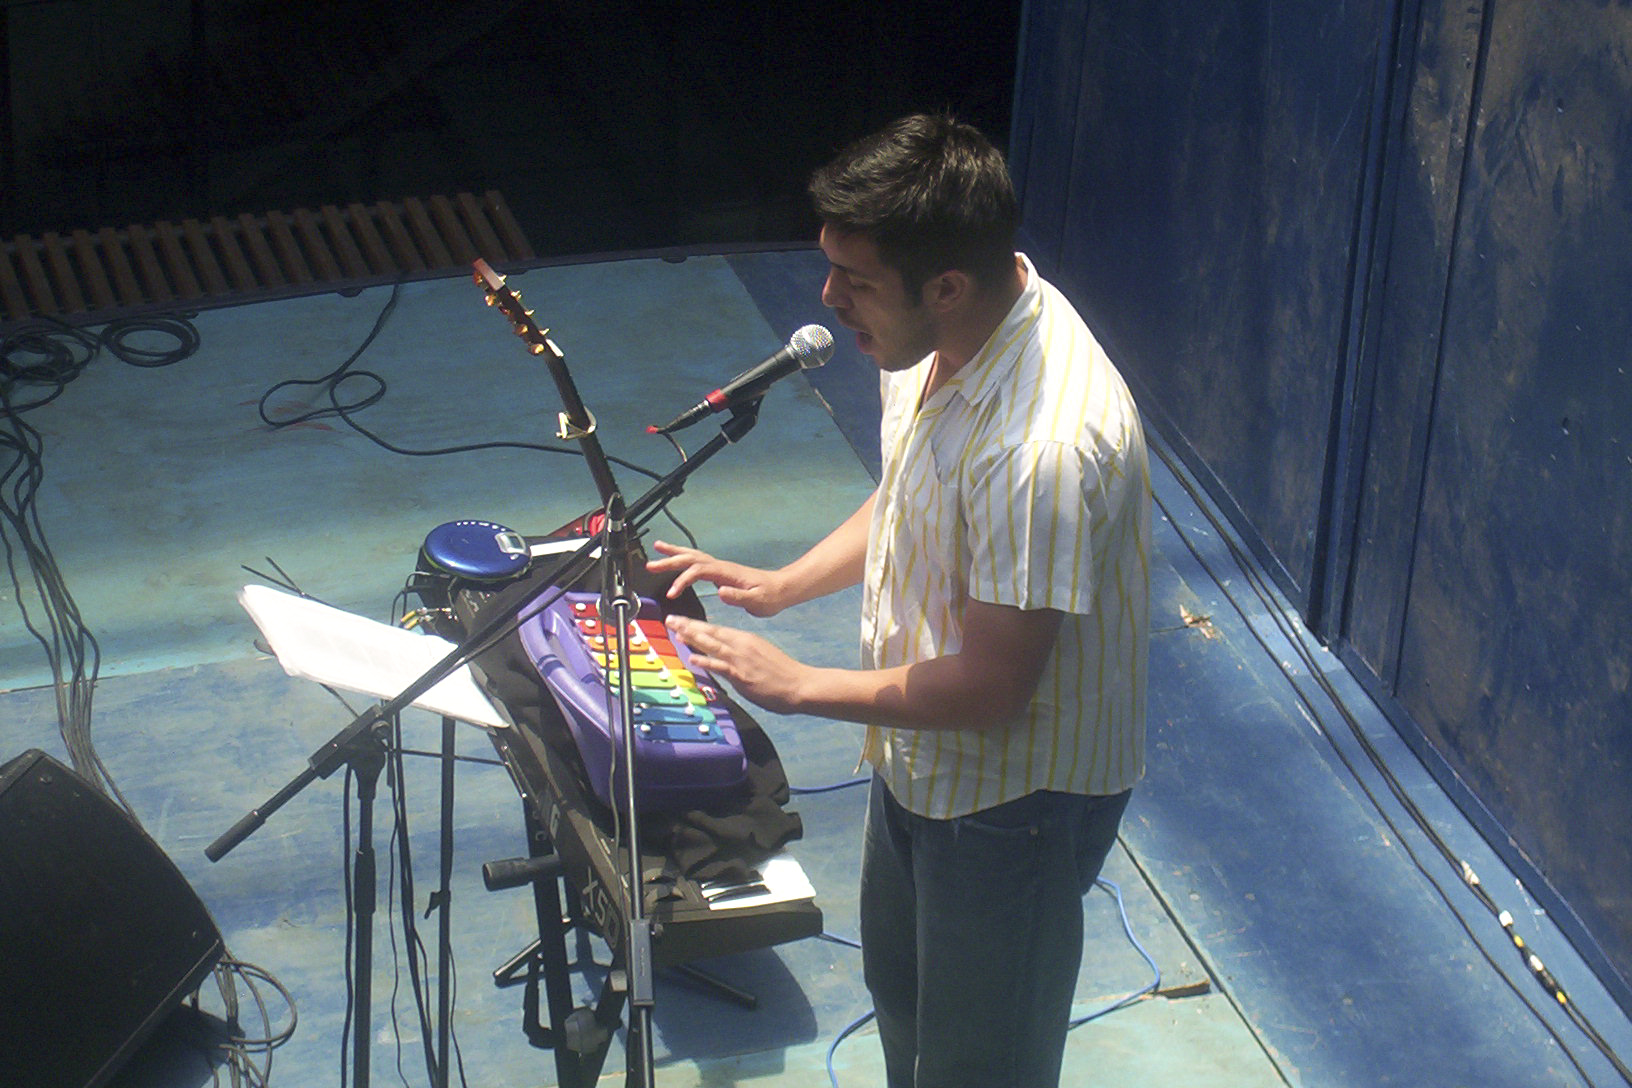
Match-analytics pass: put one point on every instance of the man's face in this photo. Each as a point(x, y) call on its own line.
point(868, 297)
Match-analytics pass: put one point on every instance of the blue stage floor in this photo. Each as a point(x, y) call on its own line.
point(1304, 933)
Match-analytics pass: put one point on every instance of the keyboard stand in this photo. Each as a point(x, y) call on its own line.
point(574, 862)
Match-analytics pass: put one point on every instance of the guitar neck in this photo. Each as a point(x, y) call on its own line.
point(576, 422)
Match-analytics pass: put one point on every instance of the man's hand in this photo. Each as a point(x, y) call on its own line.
point(758, 592)
point(753, 666)
point(835, 563)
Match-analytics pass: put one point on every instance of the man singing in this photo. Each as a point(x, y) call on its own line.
point(1005, 562)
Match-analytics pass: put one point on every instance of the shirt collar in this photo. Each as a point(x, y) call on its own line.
point(982, 375)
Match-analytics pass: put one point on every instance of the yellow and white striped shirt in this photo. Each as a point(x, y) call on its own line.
point(1023, 481)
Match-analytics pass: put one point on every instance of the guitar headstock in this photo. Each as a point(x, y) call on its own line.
point(508, 303)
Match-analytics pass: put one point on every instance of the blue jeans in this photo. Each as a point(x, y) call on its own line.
point(971, 933)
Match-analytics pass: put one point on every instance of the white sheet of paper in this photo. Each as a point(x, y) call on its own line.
point(330, 646)
point(783, 880)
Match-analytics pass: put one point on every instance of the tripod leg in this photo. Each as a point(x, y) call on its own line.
point(716, 985)
point(505, 973)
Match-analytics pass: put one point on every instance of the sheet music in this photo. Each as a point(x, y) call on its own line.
point(317, 642)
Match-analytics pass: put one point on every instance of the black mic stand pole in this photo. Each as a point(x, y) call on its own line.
point(442, 902)
point(366, 763)
point(618, 600)
point(362, 746)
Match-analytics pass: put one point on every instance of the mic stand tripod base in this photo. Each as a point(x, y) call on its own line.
point(362, 747)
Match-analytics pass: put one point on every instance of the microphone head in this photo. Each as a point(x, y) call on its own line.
point(812, 346)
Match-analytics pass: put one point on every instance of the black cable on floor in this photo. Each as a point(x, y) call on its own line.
point(39, 359)
point(373, 390)
point(125, 339)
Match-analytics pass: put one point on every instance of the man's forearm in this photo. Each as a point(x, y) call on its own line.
point(985, 684)
point(941, 693)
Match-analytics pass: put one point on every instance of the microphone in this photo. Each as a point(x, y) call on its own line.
point(810, 347)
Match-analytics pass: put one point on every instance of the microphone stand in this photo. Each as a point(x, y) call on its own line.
point(363, 743)
point(618, 600)
point(621, 530)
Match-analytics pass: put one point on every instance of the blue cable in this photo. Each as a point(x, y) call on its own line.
point(1127, 927)
point(832, 1078)
point(1120, 1003)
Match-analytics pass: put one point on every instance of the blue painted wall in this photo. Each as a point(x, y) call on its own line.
point(1368, 266)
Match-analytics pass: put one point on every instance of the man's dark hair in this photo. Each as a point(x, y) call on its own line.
point(931, 192)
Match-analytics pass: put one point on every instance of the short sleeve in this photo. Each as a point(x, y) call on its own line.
point(1031, 513)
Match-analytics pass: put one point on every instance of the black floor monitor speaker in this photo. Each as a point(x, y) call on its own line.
point(100, 935)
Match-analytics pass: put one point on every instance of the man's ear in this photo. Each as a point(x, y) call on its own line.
point(949, 291)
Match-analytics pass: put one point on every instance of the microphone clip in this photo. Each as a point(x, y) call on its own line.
point(739, 409)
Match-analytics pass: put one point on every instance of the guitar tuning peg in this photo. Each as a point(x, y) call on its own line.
point(535, 349)
point(492, 299)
